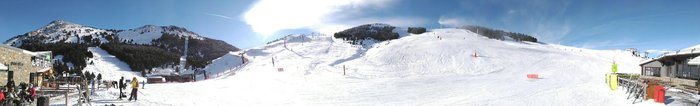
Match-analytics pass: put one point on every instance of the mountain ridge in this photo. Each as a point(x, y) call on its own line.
point(60, 35)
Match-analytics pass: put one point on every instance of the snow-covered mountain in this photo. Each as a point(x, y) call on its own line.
point(68, 32)
point(148, 33)
point(170, 41)
point(58, 31)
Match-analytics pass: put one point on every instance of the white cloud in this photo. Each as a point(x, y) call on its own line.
point(550, 32)
point(221, 16)
point(267, 17)
point(453, 21)
point(611, 44)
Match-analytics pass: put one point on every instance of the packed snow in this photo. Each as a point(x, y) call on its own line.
point(462, 68)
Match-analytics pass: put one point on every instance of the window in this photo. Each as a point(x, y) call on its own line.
point(693, 70)
point(652, 71)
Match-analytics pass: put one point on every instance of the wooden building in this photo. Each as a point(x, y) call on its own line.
point(681, 66)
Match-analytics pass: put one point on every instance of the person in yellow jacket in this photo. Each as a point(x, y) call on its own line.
point(614, 67)
point(134, 89)
point(613, 77)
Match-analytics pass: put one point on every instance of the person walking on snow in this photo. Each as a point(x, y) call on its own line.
point(121, 86)
point(134, 89)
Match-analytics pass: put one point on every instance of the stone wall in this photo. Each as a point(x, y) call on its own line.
point(18, 61)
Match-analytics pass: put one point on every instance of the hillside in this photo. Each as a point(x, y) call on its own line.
point(418, 69)
point(142, 48)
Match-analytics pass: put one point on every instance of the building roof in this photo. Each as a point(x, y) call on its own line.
point(694, 61)
point(12, 48)
point(690, 52)
point(37, 53)
point(45, 69)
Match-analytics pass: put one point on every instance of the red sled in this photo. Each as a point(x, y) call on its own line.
point(533, 76)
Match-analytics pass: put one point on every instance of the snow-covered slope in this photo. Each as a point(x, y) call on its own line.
point(224, 65)
point(62, 31)
point(413, 70)
point(148, 33)
point(109, 66)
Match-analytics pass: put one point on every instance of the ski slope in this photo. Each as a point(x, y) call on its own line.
point(413, 70)
point(109, 66)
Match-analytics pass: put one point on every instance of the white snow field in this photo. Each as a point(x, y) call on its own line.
point(109, 66)
point(413, 70)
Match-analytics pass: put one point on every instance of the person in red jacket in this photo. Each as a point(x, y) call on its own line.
point(32, 92)
point(2, 96)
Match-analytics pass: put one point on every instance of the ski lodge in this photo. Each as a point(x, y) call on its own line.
point(22, 65)
point(680, 68)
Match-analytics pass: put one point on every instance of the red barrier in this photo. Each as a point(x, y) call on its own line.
point(660, 94)
point(533, 76)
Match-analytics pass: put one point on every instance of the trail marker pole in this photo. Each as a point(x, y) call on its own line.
point(66, 95)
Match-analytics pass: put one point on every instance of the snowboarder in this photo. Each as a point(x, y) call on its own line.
point(134, 89)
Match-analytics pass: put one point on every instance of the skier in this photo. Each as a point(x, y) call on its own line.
point(143, 84)
point(92, 83)
point(134, 89)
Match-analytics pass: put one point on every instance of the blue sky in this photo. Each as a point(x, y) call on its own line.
point(597, 24)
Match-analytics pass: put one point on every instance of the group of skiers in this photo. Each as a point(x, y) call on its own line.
point(134, 88)
point(88, 84)
point(121, 85)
